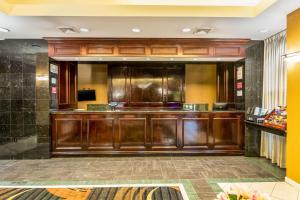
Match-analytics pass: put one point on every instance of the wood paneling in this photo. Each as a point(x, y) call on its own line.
point(94, 49)
point(67, 85)
point(227, 51)
point(203, 51)
point(164, 50)
point(146, 84)
point(132, 50)
point(155, 132)
point(100, 133)
point(225, 131)
point(177, 47)
point(68, 133)
point(195, 132)
point(225, 82)
point(71, 50)
point(132, 132)
point(164, 132)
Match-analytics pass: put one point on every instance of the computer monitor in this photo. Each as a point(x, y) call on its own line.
point(220, 106)
point(86, 95)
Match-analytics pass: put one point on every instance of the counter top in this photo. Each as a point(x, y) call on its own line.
point(140, 111)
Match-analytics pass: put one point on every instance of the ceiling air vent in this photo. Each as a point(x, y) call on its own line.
point(67, 29)
point(202, 31)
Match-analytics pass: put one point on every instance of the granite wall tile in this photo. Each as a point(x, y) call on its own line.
point(4, 118)
point(16, 93)
point(4, 64)
point(42, 117)
point(28, 92)
point(29, 80)
point(4, 79)
point(4, 93)
point(4, 130)
point(16, 105)
point(17, 130)
point(21, 62)
point(17, 118)
point(29, 105)
point(16, 79)
point(253, 93)
point(4, 105)
point(29, 117)
point(42, 105)
point(29, 63)
point(42, 92)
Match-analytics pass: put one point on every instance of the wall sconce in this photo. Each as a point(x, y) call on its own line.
point(292, 57)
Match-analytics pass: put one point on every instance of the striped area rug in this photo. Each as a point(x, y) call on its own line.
point(95, 192)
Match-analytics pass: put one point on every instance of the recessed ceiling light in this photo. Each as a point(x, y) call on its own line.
point(100, 58)
point(186, 30)
point(76, 58)
point(264, 30)
point(148, 59)
point(136, 30)
point(85, 30)
point(195, 59)
point(218, 59)
point(171, 58)
point(4, 30)
point(124, 58)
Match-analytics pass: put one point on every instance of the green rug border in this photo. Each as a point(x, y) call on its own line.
point(187, 184)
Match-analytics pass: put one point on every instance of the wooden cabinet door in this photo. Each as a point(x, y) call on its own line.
point(101, 133)
point(67, 87)
point(68, 133)
point(164, 132)
point(195, 132)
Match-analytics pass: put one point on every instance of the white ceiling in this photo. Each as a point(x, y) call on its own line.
point(273, 19)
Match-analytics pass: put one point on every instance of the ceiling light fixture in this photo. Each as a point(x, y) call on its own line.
point(4, 30)
point(148, 59)
point(136, 30)
point(186, 30)
point(100, 58)
point(218, 59)
point(195, 59)
point(84, 30)
point(124, 58)
point(172, 59)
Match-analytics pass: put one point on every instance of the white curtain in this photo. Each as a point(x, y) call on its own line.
point(274, 94)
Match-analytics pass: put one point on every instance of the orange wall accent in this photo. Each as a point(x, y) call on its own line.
point(293, 98)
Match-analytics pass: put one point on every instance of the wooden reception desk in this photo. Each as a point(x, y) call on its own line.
point(139, 132)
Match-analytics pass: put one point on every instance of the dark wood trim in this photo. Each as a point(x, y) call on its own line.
point(177, 47)
point(149, 133)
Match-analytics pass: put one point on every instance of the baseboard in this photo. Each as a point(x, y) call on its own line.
point(293, 183)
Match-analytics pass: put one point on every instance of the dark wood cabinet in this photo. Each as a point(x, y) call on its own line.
point(225, 82)
point(86, 133)
point(146, 84)
point(67, 85)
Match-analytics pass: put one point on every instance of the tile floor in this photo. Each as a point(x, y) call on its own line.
point(276, 190)
point(201, 172)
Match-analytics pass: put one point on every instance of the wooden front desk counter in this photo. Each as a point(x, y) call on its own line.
point(147, 132)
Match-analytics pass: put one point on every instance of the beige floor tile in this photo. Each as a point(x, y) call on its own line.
point(285, 191)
